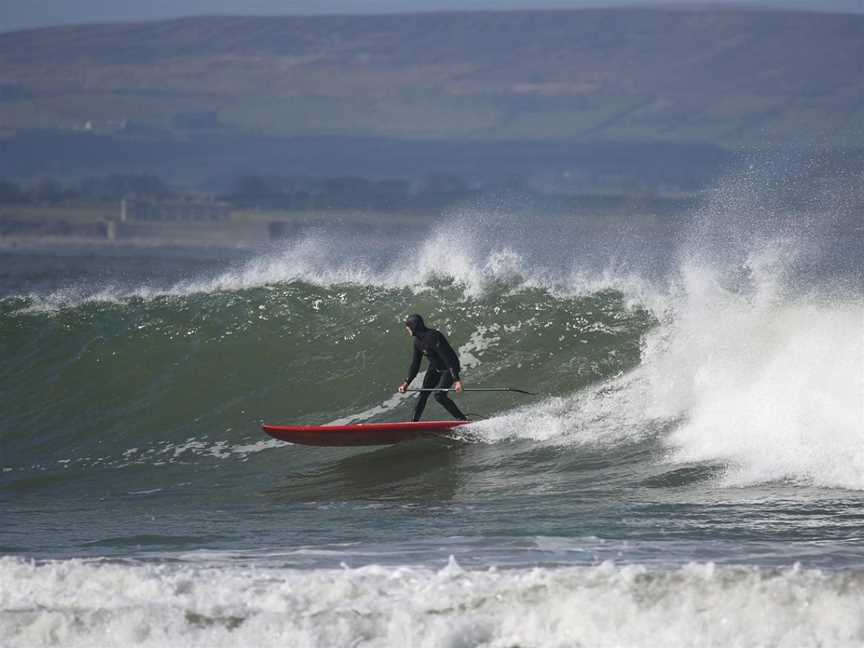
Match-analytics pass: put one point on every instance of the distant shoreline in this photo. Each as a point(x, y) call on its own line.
point(70, 243)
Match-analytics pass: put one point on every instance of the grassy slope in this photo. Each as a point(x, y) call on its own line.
point(730, 77)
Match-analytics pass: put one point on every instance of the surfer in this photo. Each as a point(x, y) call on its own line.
point(443, 371)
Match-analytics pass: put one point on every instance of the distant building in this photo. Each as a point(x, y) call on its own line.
point(188, 208)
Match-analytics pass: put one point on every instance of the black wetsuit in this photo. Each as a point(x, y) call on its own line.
point(443, 368)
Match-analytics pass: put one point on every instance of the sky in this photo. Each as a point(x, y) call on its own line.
point(23, 14)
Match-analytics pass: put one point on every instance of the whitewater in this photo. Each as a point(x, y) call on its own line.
point(690, 474)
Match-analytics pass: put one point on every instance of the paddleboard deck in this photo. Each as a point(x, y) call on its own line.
point(360, 434)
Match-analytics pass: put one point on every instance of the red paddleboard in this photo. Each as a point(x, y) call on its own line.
point(359, 434)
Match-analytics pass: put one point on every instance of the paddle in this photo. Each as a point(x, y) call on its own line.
point(472, 389)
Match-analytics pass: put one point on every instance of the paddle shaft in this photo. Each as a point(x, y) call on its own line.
point(472, 389)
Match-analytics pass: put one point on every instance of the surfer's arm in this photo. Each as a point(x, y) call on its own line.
point(415, 365)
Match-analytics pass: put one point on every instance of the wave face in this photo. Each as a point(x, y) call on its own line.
point(766, 384)
point(212, 363)
point(699, 430)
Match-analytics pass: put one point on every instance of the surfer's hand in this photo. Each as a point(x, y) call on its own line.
point(403, 387)
point(457, 385)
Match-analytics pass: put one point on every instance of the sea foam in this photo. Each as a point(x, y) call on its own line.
point(76, 603)
point(749, 367)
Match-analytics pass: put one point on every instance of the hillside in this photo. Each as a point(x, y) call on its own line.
point(730, 78)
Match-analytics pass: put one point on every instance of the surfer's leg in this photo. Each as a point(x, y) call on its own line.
point(446, 382)
point(429, 381)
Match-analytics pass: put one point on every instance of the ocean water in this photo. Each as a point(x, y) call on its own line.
point(691, 472)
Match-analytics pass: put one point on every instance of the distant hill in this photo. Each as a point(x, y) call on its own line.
point(726, 77)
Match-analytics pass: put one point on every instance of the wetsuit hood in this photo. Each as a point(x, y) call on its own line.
point(415, 323)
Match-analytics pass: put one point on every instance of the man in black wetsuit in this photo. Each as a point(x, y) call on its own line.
point(443, 371)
